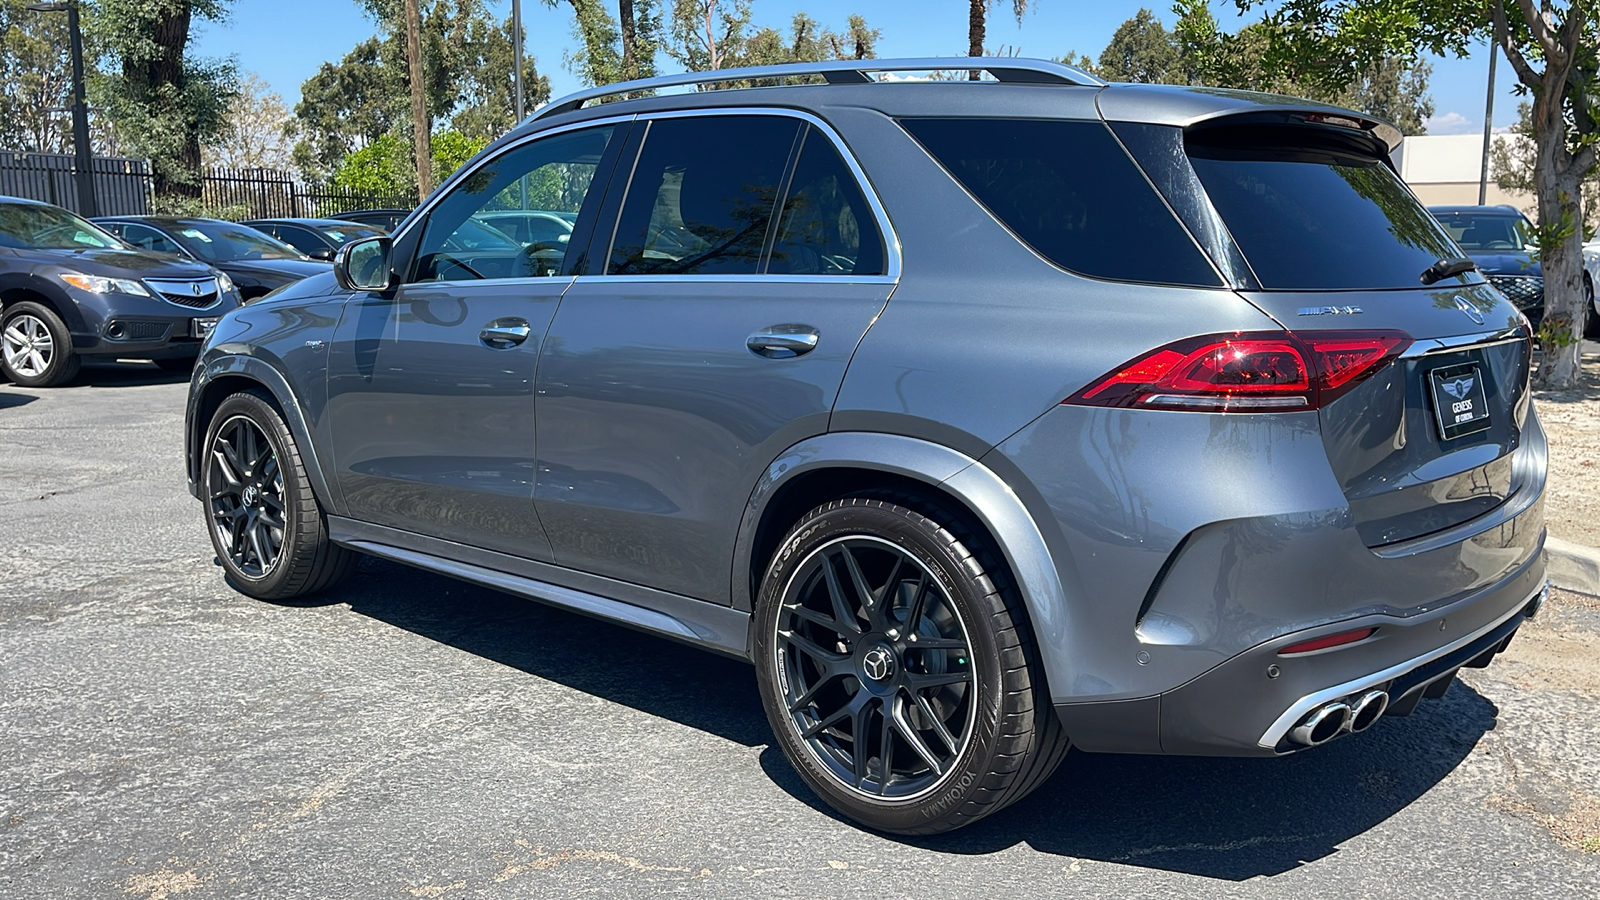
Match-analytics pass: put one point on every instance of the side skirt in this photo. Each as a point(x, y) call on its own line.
point(706, 625)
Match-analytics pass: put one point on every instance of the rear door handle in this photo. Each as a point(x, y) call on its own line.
point(503, 334)
point(782, 341)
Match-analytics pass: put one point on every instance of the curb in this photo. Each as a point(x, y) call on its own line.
point(1573, 566)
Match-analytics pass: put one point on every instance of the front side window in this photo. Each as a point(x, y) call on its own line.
point(702, 196)
point(553, 173)
point(301, 239)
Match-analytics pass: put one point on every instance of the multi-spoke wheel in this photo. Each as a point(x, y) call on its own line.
point(897, 669)
point(266, 526)
point(35, 346)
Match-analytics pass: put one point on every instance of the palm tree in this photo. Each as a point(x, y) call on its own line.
point(975, 23)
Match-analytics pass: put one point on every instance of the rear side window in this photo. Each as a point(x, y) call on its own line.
point(826, 227)
point(702, 196)
point(1310, 217)
point(1069, 191)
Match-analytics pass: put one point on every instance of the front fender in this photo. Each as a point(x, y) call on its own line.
point(219, 363)
point(1038, 573)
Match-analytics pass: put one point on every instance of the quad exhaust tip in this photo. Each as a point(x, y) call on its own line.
point(1328, 721)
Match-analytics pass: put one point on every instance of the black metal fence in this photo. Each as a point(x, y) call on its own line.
point(125, 187)
point(121, 186)
point(273, 193)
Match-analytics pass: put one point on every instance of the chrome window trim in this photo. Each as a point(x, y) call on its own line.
point(891, 240)
point(1429, 346)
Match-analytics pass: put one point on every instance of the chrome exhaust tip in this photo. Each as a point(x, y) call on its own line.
point(1366, 711)
point(1323, 724)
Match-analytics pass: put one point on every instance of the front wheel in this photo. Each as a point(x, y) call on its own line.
point(35, 346)
point(897, 667)
point(266, 526)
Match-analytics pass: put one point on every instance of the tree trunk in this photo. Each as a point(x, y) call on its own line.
point(421, 128)
point(975, 31)
point(159, 75)
point(1561, 334)
point(630, 53)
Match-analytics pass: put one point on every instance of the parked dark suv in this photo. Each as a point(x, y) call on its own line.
point(69, 290)
point(983, 417)
point(1496, 238)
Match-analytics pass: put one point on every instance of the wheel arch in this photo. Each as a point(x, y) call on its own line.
point(223, 376)
point(832, 465)
point(16, 288)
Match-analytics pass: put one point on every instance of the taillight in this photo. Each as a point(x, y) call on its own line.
point(1247, 371)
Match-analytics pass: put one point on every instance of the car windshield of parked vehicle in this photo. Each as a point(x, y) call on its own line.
point(344, 233)
point(1316, 215)
point(1476, 230)
point(227, 242)
point(27, 225)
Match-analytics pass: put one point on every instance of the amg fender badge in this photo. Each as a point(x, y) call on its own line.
point(1330, 311)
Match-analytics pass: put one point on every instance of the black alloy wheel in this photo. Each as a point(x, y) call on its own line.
point(244, 481)
point(874, 666)
point(269, 532)
point(897, 666)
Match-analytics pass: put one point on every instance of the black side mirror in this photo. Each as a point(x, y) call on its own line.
point(364, 265)
point(322, 253)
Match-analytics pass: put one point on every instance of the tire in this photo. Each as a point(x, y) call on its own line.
point(269, 533)
point(178, 366)
point(1591, 315)
point(35, 346)
point(969, 729)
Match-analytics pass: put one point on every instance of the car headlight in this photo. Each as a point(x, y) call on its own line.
point(95, 284)
point(224, 283)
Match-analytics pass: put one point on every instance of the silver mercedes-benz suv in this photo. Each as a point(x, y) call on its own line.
point(984, 417)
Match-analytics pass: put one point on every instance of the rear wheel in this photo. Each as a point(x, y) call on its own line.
point(35, 346)
point(897, 668)
point(266, 526)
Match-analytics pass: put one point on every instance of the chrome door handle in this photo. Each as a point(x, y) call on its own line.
point(503, 334)
point(782, 341)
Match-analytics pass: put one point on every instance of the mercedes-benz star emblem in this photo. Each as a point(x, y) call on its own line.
point(878, 663)
point(249, 497)
point(1472, 311)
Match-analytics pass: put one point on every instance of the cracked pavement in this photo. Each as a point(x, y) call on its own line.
point(413, 736)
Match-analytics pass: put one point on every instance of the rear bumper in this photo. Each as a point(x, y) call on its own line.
point(1248, 705)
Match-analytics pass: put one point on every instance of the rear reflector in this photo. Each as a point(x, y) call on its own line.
point(1247, 371)
point(1332, 640)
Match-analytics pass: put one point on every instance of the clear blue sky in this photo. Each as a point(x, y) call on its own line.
point(284, 41)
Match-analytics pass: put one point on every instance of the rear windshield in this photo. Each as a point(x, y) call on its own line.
point(1315, 218)
point(1069, 191)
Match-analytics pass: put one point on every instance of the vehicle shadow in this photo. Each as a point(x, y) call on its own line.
point(7, 401)
point(128, 374)
point(1230, 819)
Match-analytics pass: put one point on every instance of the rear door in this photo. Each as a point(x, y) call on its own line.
point(1327, 240)
point(746, 264)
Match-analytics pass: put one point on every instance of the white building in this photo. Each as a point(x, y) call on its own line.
point(1444, 168)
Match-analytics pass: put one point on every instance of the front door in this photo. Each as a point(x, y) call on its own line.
point(430, 386)
point(745, 268)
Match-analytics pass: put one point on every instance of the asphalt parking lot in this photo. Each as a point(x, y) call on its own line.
point(412, 736)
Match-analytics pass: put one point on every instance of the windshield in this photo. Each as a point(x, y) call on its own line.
point(26, 225)
point(1475, 230)
point(345, 233)
point(217, 241)
point(1316, 217)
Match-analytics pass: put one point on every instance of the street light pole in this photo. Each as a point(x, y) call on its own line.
point(516, 54)
point(87, 206)
point(1488, 128)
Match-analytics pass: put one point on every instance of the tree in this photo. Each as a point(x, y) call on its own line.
point(707, 35)
point(621, 48)
point(1551, 46)
point(255, 130)
point(166, 103)
point(421, 124)
point(1512, 159)
point(387, 166)
point(978, 27)
point(36, 84)
point(1141, 50)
